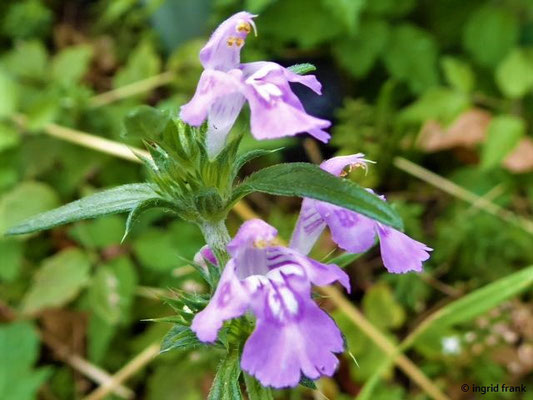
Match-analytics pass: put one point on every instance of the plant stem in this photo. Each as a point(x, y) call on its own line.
point(217, 238)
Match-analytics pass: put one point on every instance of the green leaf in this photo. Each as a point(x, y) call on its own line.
point(346, 11)
point(359, 53)
point(9, 137)
point(145, 122)
point(71, 64)
point(255, 390)
point(256, 6)
point(112, 290)
point(393, 8)
point(26, 199)
point(19, 346)
point(58, 280)
point(10, 95)
point(490, 33)
point(307, 180)
point(11, 255)
point(180, 337)
point(249, 156)
point(226, 383)
point(120, 199)
point(315, 23)
point(28, 60)
point(308, 383)
point(458, 74)
point(149, 204)
point(302, 69)
point(441, 104)
point(478, 302)
point(504, 133)
point(143, 63)
point(344, 259)
point(382, 309)
point(411, 57)
point(514, 74)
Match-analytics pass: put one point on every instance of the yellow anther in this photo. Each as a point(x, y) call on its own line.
point(231, 41)
point(243, 26)
point(239, 42)
point(261, 243)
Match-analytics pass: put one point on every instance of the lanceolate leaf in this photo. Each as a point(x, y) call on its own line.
point(180, 337)
point(255, 390)
point(308, 180)
point(226, 383)
point(251, 155)
point(120, 199)
point(143, 206)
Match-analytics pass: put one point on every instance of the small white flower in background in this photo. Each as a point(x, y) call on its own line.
point(451, 345)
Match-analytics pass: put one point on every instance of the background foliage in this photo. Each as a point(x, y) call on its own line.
point(446, 84)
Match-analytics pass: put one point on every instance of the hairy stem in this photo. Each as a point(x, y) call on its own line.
point(217, 238)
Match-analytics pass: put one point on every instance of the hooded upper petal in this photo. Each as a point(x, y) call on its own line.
point(399, 252)
point(223, 50)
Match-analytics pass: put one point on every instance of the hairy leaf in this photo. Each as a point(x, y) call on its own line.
point(226, 383)
point(307, 180)
point(120, 199)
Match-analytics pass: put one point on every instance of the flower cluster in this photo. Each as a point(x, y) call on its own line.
point(293, 338)
point(226, 84)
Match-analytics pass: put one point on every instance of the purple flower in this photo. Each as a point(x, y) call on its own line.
point(226, 84)
point(354, 232)
point(292, 336)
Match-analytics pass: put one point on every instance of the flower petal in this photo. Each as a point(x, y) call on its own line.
point(308, 228)
point(205, 255)
point(278, 352)
point(251, 231)
point(223, 50)
point(231, 300)
point(221, 117)
point(351, 231)
point(336, 165)
point(212, 86)
point(399, 252)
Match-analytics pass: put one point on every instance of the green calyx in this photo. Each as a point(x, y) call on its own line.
point(199, 188)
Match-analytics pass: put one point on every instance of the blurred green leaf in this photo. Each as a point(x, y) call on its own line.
point(514, 74)
point(9, 137)
point(19, 346)
point(145, 122)
point(315, 23)
point(71, 63)
point(382, 309)
point(358, 53)
point(11, 255)
point(411, 56)
point(58, 280)
point(346, 11)
point(112, 290)
point(26, 19)
point(477, 302)
point(441, 104)
point(26, 199)
point(256, 6)
point(490, 33)
point(143, 62)
point(393, 8)
point(307, 180)
point(28, 60)
point(119, 199)
point(458, 74)
point(10, 95)
point(504, 133)
point(226, 383)
point(100, 233)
